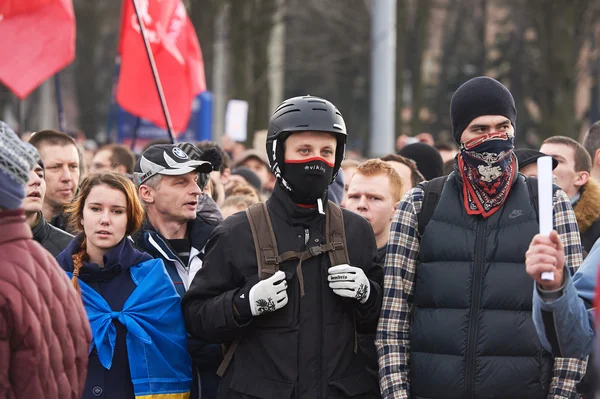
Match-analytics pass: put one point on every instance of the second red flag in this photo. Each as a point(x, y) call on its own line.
point(178, 59)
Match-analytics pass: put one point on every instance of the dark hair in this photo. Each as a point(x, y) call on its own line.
point(415, 177)
point(591, 140)
point(448, 167)
point(74, 211)
point(225, 159)
point(52, 137)
point(120, 155)
point(583, 162)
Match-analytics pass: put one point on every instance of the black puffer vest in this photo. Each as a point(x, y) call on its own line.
point(472, 332)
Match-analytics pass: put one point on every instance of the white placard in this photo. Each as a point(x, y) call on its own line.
point(236, 120)
point(545, 213)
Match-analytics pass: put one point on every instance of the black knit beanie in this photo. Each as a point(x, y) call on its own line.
point(477, 97)
point(428, 159)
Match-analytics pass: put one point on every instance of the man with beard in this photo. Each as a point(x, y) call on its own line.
point(60, 156)
point(294, 332)
point(456, 319)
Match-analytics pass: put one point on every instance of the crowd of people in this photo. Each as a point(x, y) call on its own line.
point(291, 270)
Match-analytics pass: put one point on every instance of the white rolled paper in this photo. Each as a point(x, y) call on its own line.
point(545, 213)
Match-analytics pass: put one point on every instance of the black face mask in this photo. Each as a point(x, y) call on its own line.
point(307, 179)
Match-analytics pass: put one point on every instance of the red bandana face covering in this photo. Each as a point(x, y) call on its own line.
point(488, 168)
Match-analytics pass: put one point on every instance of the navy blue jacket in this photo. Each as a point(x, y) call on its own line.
point(206, 357)
point(114, 283)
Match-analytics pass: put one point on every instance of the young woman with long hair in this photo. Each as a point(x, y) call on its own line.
point(139, 339)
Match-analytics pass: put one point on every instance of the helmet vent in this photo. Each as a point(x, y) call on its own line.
point(317, 101)
point(302, 125)
point(288, 111)
point(319, 109)
point(282, 106)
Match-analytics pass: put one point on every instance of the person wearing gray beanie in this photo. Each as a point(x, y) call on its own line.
point(45, 334)
point(456, 319)
point(16, 160)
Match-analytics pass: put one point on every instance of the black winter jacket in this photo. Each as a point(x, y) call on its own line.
point(472, 333)
point(53, 239)
point(307, 348)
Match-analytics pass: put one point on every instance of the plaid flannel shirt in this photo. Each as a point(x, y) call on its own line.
point(393, 331)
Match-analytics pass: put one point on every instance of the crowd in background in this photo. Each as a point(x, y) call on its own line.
point(172, 197)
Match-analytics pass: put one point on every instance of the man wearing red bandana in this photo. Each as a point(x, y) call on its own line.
point(456, 317)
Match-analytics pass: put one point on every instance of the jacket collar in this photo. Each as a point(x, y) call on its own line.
point(284, 208)
point(13, 222)
point(59, 221)
point(197, 230)
point(587, 208)
point(208, 211)
point(41, 230)
point(120, 258)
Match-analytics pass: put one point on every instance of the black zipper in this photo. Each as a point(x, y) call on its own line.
point(474, 311)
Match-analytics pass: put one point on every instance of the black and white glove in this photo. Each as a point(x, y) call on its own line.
point(268, 295)
point(350, 282)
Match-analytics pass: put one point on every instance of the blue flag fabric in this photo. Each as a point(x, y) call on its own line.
point(156, 338)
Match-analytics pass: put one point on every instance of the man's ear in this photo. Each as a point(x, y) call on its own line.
point(596, 159)
point(121, 169)
point(146, 194)
point(582, 178)
point(225, 175)
point(394, 210)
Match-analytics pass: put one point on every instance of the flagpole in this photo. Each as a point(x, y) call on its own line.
point(62, 125)
point(159, 89)
point(113, 107)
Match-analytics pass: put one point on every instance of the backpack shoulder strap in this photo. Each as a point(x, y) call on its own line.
point(265, 245)
point(338, 254)
point(264, 240)
point(336, 235)
point(433, 190)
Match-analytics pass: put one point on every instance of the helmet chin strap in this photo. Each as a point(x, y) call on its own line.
point(320, 206)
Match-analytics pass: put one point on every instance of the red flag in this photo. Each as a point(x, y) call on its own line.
point(37, 39)
point(178, 59)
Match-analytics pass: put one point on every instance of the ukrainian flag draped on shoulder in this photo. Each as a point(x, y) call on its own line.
point(160, 365)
